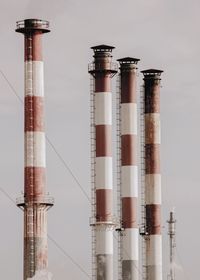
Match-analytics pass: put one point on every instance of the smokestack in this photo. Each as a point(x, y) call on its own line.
point(102, 70)
point(35, 202)
point(129, 170)
point(153, 239)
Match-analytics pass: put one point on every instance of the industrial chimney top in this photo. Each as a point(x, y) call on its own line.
point(152, 74)
point(32, 25)
point(127, 60)
point(102, 63)
point(128, 63)
point(102, 48)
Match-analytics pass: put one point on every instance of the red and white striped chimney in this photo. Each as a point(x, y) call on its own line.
point(102, 69)
point(153, 239)
point(35, 201)
point(129, 168)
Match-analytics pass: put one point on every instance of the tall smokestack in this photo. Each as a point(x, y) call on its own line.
point(153, 238)
point(102, 70)
point(35, 202)
point(129, 170)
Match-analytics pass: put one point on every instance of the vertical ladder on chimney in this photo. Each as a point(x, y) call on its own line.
point(118, 147)
point(142, 184)
point(31, 246)
point(30, 209)
point(93, 189)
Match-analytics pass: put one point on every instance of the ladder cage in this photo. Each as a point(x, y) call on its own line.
point(92, 172)
point(142, 184)
point(118, 160)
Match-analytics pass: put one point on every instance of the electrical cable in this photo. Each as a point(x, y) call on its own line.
point(52, 240)
point(66, 167)
point(49, 141)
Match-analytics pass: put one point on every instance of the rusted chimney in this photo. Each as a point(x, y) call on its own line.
point(35, 202)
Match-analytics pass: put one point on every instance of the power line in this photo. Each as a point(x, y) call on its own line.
point(52, 240)
point(68, 256)
point(49, 141)
point(7, 195)
point(60, 248)
point(66, 167)
point(11, 86)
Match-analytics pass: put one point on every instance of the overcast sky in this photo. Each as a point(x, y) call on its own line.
point(163, 34)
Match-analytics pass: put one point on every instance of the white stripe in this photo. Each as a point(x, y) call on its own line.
point(104, 241)
point(154, 250)
point(130, 241)
point(35, 149)
point(34, 78)
point(103, 170)
point(128, 118)
point(103, 108)
point(152, 121)
point(38, 78)
point(153, 188)
point(41, 221)
point(129, 181)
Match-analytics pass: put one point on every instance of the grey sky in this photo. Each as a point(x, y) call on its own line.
point(163, 34)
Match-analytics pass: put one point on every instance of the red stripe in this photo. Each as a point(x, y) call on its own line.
point(152, 158)
point(102, 83)
point(103, 205)
point(129, 150)
point(128, 87)
point(33, 46)
point(103, 140)
point(152, 96)
point(153, 218)
point(35, 181)
point(34, 113)
point(129, 212)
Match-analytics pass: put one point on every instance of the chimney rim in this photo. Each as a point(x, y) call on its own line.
point(102, 48)
point(126, 60)
point(31, 25)
point(152, 71)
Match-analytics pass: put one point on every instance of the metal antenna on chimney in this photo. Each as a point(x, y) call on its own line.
point(172, 244)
